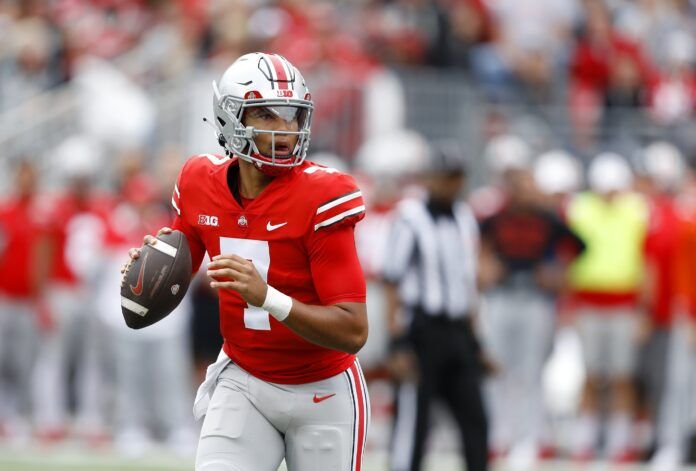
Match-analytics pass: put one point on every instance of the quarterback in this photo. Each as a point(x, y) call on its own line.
point(279, 232)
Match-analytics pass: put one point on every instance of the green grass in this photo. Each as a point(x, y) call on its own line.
point(76, 459)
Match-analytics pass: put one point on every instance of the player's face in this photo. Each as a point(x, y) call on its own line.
point(445, 187)
point(277, 118)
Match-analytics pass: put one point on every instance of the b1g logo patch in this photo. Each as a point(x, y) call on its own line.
point(205, 220)
point(285, 93)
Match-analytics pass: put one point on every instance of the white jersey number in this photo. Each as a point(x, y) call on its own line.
point(257, 251)
point(314, 168)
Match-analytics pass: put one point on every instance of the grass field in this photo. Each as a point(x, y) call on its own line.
point(74, 459)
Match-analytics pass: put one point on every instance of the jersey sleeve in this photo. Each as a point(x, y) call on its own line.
point(336, 270)
point(340, 203)
point(181, 222)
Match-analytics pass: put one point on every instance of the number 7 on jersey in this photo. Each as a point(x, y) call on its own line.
point(257, 251)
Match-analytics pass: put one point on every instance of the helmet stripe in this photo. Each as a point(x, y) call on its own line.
point(280, 72)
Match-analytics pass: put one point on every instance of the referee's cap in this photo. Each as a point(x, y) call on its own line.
point(447, 157)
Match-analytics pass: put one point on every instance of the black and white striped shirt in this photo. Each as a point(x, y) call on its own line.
point(432, 255)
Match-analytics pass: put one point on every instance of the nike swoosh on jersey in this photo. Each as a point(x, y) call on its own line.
point(318, 399)
point(272, 227)
point(138, 288)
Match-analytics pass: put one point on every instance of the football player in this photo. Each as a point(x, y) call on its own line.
point(279, 231)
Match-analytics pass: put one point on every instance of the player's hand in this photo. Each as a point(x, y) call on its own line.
point(134, 252)
point(239, 274)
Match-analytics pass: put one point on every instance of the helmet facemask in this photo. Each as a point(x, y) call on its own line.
point(239, 139)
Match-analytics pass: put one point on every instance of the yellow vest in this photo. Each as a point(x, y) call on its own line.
point(614, 234)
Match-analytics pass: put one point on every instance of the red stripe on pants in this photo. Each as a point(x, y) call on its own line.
point(360, 418)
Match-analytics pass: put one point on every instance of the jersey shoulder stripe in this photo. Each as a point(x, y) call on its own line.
point(347, 206)
point(339, 200)
point(193, 169)
point(357, 211)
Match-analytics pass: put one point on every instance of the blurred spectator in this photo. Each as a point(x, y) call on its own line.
point(30, 68)
point(609, 73)
point(401, 32)
point(521, 270)
point(466, 24)
point(153, 400)
point(530, 38)
point(662, 169)
point(559, 176)
point(506, 152)
point(77, 225)
point(673, 98)
point(607, 283)
point(676, 427)
point(651, 22)
point(432, 300)
point(23, 267)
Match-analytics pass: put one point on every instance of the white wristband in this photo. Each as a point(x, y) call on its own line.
point(277, 304)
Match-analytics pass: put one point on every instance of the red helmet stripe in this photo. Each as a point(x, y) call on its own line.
point(280, 72)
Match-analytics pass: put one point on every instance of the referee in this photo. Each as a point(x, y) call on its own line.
point(430, 279)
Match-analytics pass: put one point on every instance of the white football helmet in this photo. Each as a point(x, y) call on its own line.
point(262, 80)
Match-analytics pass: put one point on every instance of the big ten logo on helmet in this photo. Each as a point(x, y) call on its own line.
point(204, 220)
point(285, 93)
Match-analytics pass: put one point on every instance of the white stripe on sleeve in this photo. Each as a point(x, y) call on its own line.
point(340, 216)
point(341, 200)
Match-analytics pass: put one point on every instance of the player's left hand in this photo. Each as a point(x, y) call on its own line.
point(239, 274)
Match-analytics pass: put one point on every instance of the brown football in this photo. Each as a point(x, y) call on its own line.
point(157, 281)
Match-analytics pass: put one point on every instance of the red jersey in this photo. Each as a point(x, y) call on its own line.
point(661, 251)
point(21, 227)
point(77, 229)
point(299, 234)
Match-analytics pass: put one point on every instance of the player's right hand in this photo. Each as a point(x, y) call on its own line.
point(134, 252)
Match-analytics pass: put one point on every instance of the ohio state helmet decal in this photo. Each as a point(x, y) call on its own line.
point(278, 71)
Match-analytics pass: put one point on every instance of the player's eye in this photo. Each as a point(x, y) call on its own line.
point(262, 113)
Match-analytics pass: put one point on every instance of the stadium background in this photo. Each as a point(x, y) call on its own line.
point(114, 90)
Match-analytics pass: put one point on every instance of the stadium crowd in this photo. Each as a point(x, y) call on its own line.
point(611, 54)
point(69, 368)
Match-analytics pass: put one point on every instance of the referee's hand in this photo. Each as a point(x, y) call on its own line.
point(402, 365)
point(489, 365)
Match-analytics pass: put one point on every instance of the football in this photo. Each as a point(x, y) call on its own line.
point(157, 281)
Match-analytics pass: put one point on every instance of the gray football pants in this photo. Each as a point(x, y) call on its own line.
point(677, 419)
point(251, 425)
point(518, 326)
point(18, 345)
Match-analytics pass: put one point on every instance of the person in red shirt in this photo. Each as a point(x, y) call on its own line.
point(75, 220)
point(663, 169)
point(279, 231)
point(609, 74)
point(675, 424)
point(22, 263)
